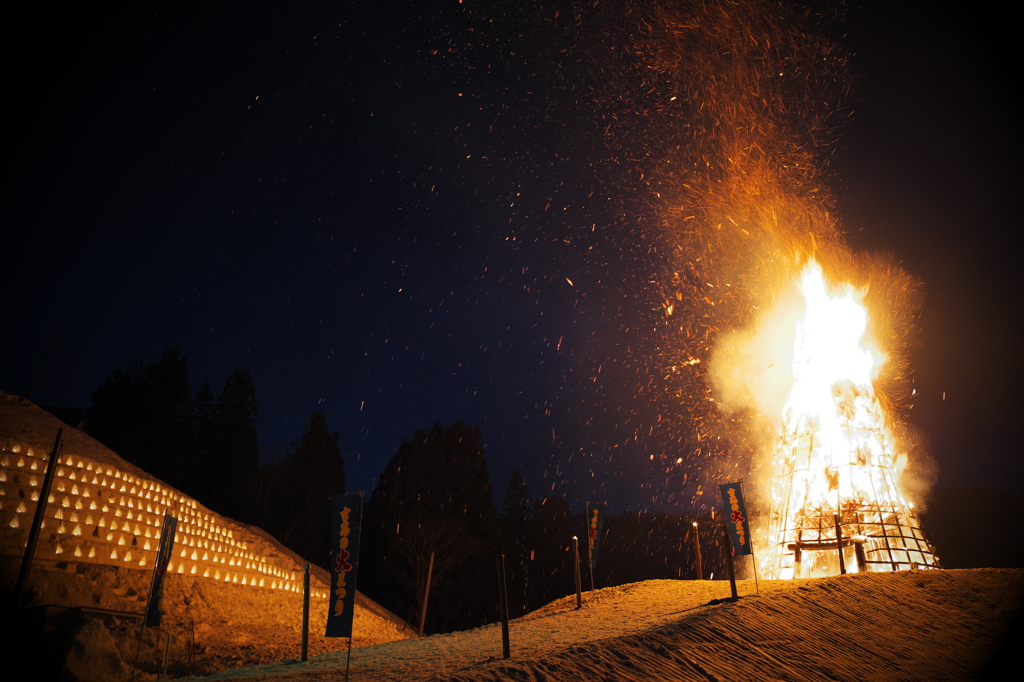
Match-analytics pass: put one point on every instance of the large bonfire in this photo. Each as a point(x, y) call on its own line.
point(770, 360)
point(836, 500)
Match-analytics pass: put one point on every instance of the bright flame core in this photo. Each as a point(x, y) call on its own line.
point(835, 478)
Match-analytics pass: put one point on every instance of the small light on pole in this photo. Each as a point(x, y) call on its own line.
point(576, 571)
point(700, 563)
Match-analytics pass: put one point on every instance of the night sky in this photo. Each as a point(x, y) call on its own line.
point(396, 213)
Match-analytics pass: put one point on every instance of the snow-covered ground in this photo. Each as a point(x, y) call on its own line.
point(918, 625)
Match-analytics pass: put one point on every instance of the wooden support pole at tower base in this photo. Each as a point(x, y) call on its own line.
point(839, 546)
point(858, 551)
point(727, 548)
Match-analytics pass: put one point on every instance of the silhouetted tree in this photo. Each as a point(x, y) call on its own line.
point(515, 524)
point(271, 501)
point(551, 569)
point(206, 448)
point(164, 435)
point(234, 448)
point(516, 504)
point(113, 415)
point(643, 546)
point(201, 466)
point(435, 496)
point(313, 473)
point(144, 414)
point(49, 372)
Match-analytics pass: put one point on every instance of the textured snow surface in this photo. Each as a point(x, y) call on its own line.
point(918, 625)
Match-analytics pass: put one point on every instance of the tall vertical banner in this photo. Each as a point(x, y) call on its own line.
point(347, 511)
point(595, 519)
point(736, 517)
point(163, 558)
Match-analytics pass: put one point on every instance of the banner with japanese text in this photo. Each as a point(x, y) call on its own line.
point(736, 517)
point(163, 558)
point(347, 511)
point(595, 520)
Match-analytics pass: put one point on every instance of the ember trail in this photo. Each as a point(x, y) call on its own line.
point(766, 359)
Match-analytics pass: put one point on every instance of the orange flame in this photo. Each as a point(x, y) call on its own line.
point(836, 471)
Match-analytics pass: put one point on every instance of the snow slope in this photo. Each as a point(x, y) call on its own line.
point(918, 625)
point(81, 562)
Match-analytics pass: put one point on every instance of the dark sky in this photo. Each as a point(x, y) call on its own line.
point(381, 210)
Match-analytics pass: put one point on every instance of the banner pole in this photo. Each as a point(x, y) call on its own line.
point(138, 647)
point(167, 652)
point(355, 578)
point(348, 657)
point(37, 520)
point(347, 529)
point(728, 561)
point(753, 562)
point(153, 614)
point(590, 561)
point(304, 652)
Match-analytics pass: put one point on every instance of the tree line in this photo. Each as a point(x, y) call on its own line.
point(207, 447)
point(431, 512)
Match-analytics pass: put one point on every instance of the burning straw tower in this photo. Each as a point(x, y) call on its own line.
point(755, 101)
point(836, 502)
point(729, 113)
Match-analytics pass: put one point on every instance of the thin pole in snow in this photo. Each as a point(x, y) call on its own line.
point(727, 548)
point(700, 561)
point(304, 653)
point(348, 659)
point(426, 594)
point(753, 562)
point(576, 566)
point(503, 604)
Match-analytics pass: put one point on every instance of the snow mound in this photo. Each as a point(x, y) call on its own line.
point(917, 625)
point(232, 593)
